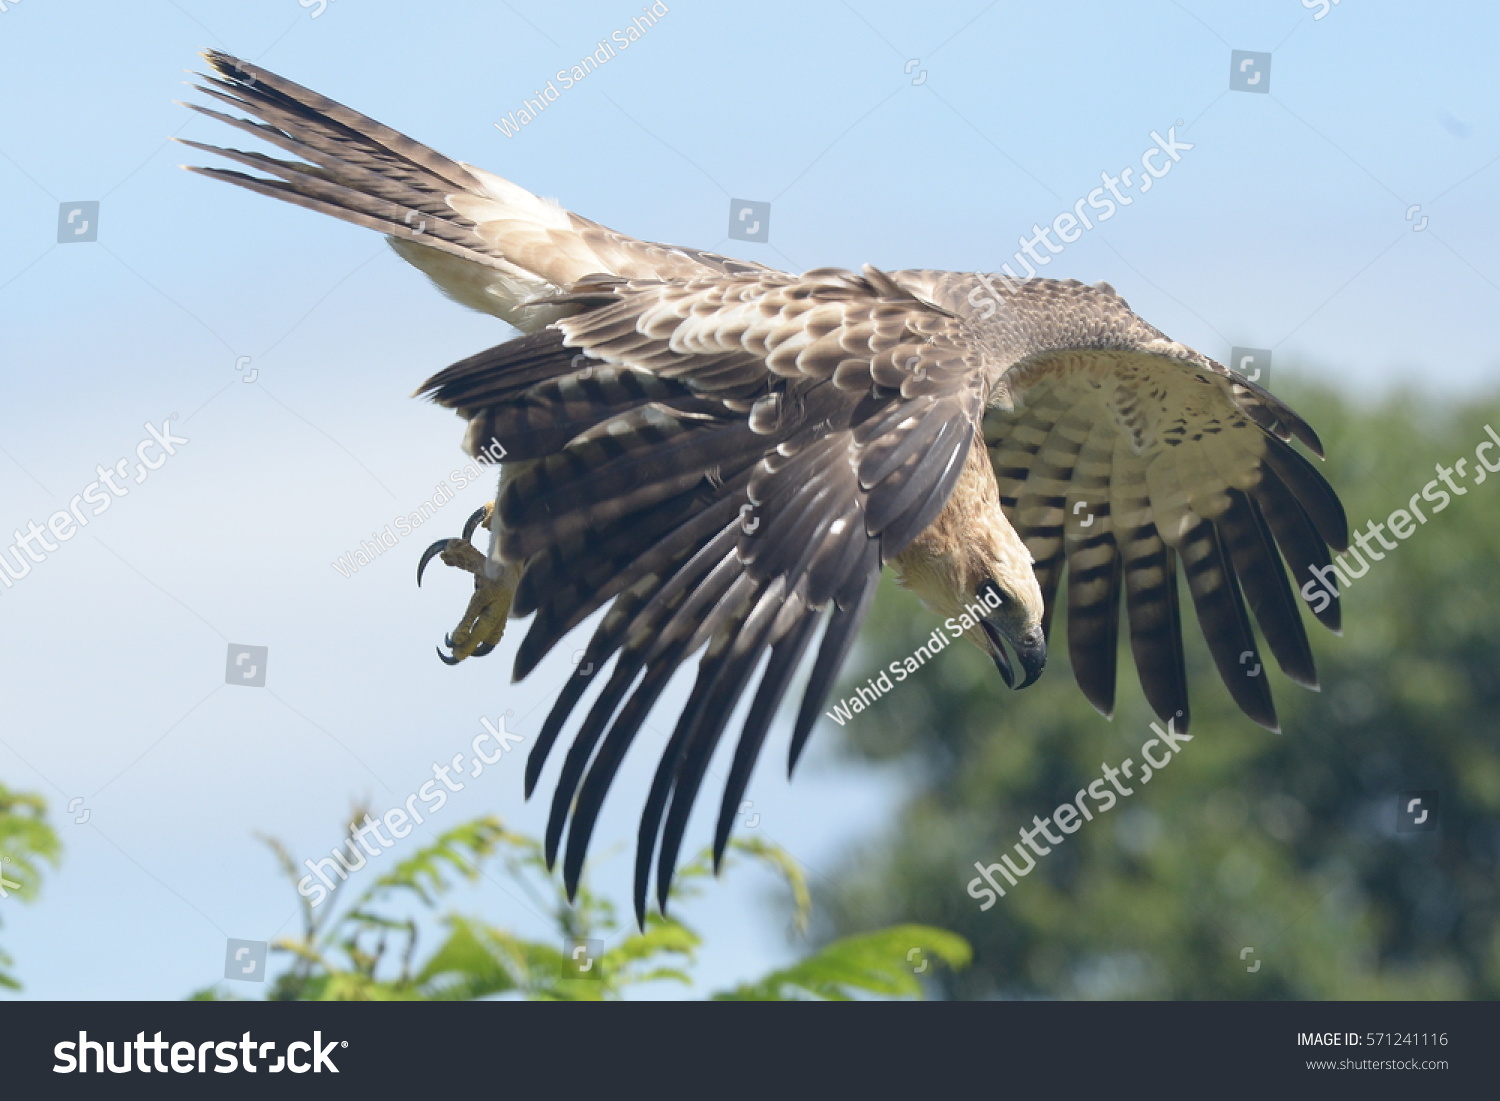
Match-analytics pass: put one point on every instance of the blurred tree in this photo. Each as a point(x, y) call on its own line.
point(25, 838)
point(1256, 865)
point(367, 950)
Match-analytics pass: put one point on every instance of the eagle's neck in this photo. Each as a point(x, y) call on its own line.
point(969, 542)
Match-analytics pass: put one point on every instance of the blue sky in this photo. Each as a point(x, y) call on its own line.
point(1341, 220)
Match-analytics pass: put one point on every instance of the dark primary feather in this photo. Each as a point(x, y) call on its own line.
point(1253, 553)
point(641, 482)
point(1118, 465)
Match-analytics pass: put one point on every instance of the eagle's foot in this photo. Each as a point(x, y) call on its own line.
point(483, 622)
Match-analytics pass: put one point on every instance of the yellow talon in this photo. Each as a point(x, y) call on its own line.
point(483, 622)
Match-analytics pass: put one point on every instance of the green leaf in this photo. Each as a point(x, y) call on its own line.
point(479, 961)
point(459, 850)
point(888, 962)
point(25, 838)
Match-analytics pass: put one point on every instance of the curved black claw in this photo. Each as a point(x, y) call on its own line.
point(444, 658)
point(482, 649)
point(428, 555)
point(473, 521)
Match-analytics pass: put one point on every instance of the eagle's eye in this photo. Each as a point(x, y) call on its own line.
point(989, 594)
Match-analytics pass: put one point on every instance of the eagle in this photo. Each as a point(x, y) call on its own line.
point(724, 457)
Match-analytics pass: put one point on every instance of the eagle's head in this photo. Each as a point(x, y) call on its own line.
point(1013, 619)
point(972, 568)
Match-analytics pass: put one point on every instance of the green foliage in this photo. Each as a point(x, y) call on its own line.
point(1282, 844)
point(25, 838)
point(887, 962)
point(364, 951)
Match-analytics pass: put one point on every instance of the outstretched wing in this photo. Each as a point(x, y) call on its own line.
point(488, 243)
point(1116, 462)
point(729, 461)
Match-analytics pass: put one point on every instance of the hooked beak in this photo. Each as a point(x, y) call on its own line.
point(1031, 651)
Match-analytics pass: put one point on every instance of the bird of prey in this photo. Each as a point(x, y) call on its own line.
point(726, 456)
